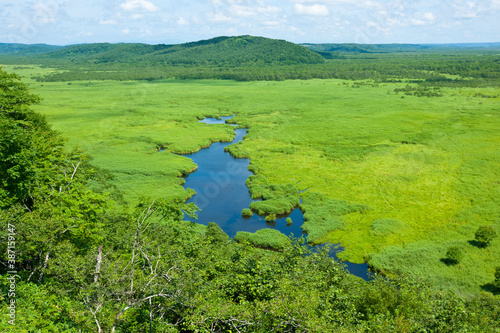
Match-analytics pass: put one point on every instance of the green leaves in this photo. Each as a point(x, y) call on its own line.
point(38, 309)
point(215, 234)
point(14, 95)
point(484, 235)
point(454, 255)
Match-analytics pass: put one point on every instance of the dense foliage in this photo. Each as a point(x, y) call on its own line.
point(247, 58)
point(85, 263)
point(335, 50)
point(219, 51)
point(27, 49)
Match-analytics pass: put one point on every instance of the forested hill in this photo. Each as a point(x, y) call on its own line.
point(247, 58)
point(27, 49)
point(219, 51)
point(334, 50)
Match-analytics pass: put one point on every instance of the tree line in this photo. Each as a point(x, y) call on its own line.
point(468, 71)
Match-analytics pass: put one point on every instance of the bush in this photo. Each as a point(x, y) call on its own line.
point(454, 255)
point(288, 221)
point(271, 217)
point(246, 212)
point(484, 235)
point(215, 233)
point(266, 238)
point(496, 283)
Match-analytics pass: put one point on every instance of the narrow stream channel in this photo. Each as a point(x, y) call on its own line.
point(221, 194)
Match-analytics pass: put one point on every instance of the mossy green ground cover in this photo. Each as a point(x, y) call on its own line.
point(424, 171)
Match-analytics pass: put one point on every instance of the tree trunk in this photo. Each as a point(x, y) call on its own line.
point(44, 266)
point(98, 264)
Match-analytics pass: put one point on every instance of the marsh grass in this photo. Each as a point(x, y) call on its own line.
point(384, 227)
point(323, 215)
point(432, 163)
point(276, 199)
point(265, 238)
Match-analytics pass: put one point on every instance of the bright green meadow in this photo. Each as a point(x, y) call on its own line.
point(395, 179)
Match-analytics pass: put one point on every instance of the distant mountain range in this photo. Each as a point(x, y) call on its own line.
point(329, 50)
point(219, 51)
point(27, 49)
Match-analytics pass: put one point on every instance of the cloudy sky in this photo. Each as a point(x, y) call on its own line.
point(63, 22)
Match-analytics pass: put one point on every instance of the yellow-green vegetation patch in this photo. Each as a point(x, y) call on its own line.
point(245, 212)
point(323, 215)
point(428, 258)
point(265, 238)
point(27, 72)
point(431, 162)
point(276, 199)
point(384, 227)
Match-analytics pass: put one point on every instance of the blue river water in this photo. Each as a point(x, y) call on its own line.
point(221, 194)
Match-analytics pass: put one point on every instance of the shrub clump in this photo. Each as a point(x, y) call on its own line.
point(265, 238)
point(484, 235)
point(215, 233)
point(496, 283)
point(271, 218)
point(246, 212)
point(276, 199)
point(453, 255)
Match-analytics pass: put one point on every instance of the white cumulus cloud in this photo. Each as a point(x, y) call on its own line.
point(105, 22)
point(131, 5)
point(418, 22)
point(219, 17)
point(182, 21)
point(269, 9)
point(315, 10)
point(429, 16)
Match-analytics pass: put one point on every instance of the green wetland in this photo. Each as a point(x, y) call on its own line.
point(396, 179)
point(390, 151)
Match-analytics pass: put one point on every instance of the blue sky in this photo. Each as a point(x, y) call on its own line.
point(63, 22)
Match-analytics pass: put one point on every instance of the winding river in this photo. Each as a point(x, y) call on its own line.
point(221, 194)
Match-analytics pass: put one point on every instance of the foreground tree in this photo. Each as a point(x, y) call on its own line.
point(496, 283)
point(484, 235)
point(453, 255)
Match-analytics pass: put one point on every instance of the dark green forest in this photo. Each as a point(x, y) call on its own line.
point(248, 58)
point(76, 258)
